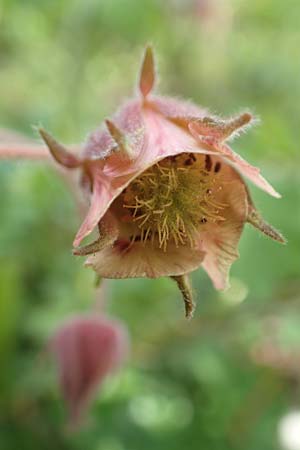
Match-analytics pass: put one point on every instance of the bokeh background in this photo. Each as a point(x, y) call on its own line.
point(227, 380)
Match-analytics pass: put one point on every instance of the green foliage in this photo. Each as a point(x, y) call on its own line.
point(193, 385)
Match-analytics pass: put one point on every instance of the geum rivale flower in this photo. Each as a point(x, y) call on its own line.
point(166, 191)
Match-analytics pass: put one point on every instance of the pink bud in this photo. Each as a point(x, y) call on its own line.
point(87, 349)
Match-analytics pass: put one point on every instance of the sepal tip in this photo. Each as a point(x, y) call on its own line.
point(58, 151)
point(147, 75)
point(122, 141)
point(257, 221)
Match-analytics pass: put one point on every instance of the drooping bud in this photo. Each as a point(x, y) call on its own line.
point(218, 128)
point(123, 144)
point(184, 286)
point(256, 220)
point(59, 152)
point(87, 349)
point(147, 76)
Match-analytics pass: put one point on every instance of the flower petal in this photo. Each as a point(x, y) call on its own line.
point(139, 260)
point(220, 240)
point(100, 197)
point(87, 349)
point(246, 169)
point(172, 108)
point(104, 192)
point(164, 138)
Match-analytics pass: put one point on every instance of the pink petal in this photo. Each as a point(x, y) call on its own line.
point(139, 260)
point(100, 198)
point(220, 240)
point(246, 169)
point(104, 192)
point(87, 349)
point(164, 138)
point(172, 108)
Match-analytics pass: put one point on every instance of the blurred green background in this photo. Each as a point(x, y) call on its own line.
point(227, 379)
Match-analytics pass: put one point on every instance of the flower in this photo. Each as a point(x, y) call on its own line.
point(87, 349)
point(167, 192)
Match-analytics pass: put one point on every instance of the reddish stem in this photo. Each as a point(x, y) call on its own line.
point(23, 151)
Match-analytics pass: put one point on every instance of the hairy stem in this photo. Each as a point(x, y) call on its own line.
point(184, 286)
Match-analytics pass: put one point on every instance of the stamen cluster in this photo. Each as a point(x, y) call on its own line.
point(170, 199)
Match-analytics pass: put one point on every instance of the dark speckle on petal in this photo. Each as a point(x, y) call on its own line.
point(193, 157)
point(217, 167)
point(208, 163)
point(188, 162)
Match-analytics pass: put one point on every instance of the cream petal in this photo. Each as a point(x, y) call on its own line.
point(220, 240)
point(139, 260)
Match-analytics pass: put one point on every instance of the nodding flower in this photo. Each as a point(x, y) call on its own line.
point(87, 349)
point(167, 193)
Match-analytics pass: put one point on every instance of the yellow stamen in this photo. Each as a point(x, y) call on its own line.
point(172, 199)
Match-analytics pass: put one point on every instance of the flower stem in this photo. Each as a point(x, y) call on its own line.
point(184, 286)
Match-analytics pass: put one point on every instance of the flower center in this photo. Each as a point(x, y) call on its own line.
point(173, 198)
